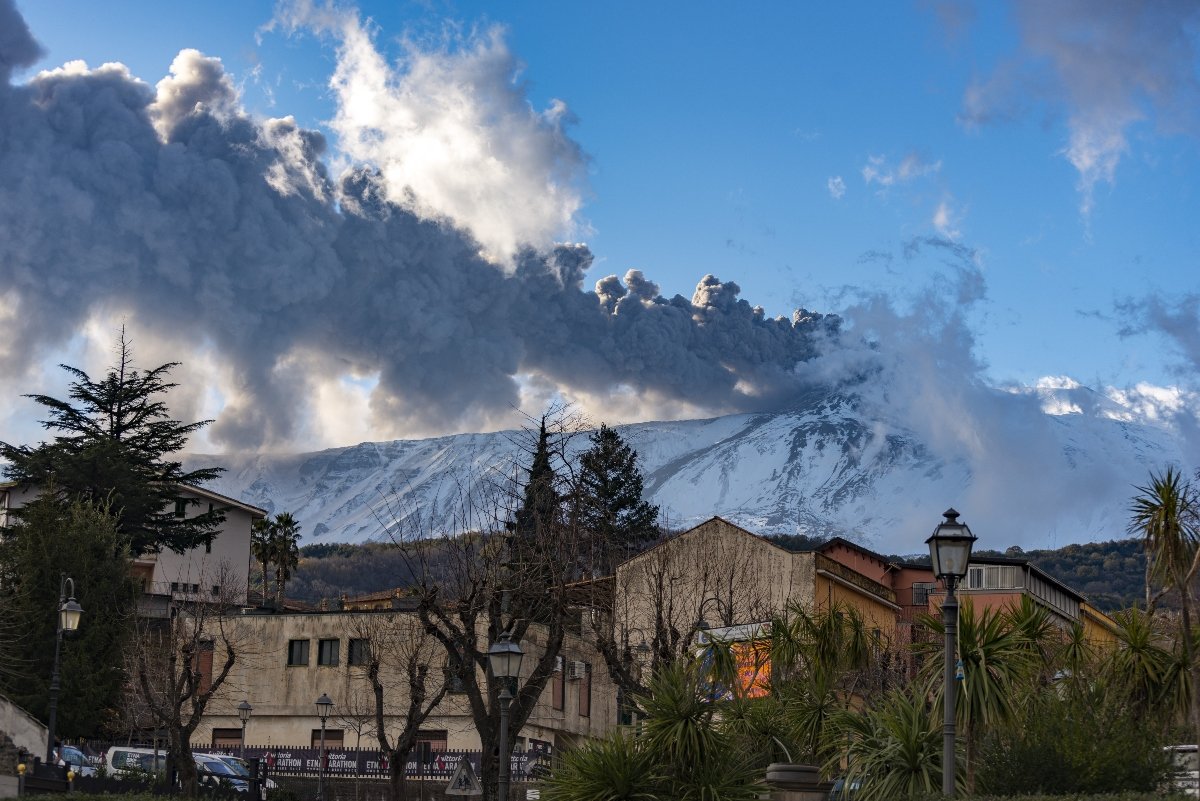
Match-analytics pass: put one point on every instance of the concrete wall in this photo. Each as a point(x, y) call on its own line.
point(283, 695)
point(224, 561)
point(22, 728)
point(716, 573)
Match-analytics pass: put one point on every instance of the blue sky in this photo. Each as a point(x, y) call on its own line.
point(797, 148)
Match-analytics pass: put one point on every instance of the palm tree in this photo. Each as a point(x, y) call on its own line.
point(260, 547)
point(895, 748)
point(818, 662)
point(999, 666)
point(1166, 513)
point(285, 550)
point(1139, 665)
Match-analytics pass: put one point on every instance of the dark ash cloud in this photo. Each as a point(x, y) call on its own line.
point(172, 205)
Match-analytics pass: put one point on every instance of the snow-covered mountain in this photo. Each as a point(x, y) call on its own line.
point(823, 467)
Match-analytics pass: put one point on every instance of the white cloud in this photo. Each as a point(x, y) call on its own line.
point(453, 133)
point(913, 166)
point(1110, 65)
point(837, 187)
point(947, 219)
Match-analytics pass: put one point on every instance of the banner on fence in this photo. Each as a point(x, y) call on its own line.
point(372, 762)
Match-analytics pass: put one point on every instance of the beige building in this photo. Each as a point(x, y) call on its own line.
point(288, 660)
point(720, 576)
point(192, 575)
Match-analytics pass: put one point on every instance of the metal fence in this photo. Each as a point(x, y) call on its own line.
point(362, 763)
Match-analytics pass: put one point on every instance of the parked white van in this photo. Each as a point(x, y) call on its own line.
point(128, 761)
point(1185, 779)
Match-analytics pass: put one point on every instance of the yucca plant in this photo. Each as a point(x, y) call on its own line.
point(616, 768)
point(895, 748)
point(684, 749)
point(998, 665)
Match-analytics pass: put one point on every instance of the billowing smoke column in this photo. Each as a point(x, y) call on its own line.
point(172, 205)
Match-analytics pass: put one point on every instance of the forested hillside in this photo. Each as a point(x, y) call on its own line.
point(1111, 574)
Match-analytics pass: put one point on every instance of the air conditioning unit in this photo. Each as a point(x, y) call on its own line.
point(577, 670)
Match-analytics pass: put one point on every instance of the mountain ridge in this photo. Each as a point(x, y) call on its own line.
point(832, 465)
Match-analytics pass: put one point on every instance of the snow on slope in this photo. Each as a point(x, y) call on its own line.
point(820, 469)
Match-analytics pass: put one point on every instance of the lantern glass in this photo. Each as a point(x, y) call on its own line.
point(244, 710)
point(950, 547)
point(324, 705)
point(69, 613)
point(505, 658)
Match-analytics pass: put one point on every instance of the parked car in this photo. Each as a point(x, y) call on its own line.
point(1185, 778)
point(243, 769)
point(843, 792)
point(216, 772)
point(141, 762)
point(73, 758)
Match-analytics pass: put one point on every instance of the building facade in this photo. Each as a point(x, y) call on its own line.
point(220, 566)
point(290, 659)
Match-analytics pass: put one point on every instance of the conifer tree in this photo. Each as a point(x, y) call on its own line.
point(81, 541)
point(113, 445)
point(541, 504)
point(618, 520)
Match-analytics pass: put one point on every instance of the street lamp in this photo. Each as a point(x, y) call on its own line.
point(505, 659)
point(950, 552)
point(244, 710)
point(69, 611)
point(324, 705)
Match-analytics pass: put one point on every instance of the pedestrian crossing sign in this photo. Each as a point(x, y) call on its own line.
point(464, 781)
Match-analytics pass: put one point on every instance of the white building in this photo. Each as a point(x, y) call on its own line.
point(195, 575)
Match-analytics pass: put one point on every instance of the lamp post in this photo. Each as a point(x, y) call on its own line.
point(324, 705)
point(505, 659)
point(950, 552)
point(69, 611)
point(244, 710)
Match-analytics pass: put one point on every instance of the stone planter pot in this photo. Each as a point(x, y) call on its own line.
point(793, 777)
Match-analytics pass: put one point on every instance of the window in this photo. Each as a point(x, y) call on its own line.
point(359, 651)
point(208, 544)
point(333, 739)
point(327, 652)
point(195, 589)
point(216, 589)
point(585, 691)
point(428, 744)
point(297, 652)
point(993, 577)
point(921, 591)
point(174, 586)
point(455, 683)
point(226, 738)
point(557, 694)
point(181, 507)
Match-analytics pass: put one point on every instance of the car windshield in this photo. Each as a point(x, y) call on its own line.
point(72, 755)
point(238, 766)
point(218, 767)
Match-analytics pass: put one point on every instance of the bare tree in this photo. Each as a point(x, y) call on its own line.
point(396, 654)
point(651, 612)
point(182, 662)
point(510, 575)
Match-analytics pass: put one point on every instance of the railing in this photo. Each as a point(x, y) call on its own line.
point(365, 763)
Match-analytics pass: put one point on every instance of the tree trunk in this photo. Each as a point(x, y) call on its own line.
point(970, 742)
point(1189, 660)
point(185, 768)
point(397, 786)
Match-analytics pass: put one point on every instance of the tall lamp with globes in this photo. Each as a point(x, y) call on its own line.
point(244, 710)
point(504, 657)
point(950, 552)
point(69, 612)
point(324, 706)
